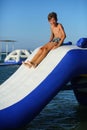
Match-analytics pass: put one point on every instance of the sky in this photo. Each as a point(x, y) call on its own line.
point(26, 21)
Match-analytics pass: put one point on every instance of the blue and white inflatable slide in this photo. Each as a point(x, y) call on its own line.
point(28, 91)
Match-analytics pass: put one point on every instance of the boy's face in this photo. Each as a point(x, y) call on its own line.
point(52, 21)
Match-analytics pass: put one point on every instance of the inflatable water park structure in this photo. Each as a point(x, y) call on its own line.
point(15, 57)
point(6, 45)
point(28, 91)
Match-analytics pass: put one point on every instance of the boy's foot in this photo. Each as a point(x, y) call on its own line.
point(27, 64)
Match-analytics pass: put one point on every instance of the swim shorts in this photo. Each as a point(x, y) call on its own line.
point(56, 40)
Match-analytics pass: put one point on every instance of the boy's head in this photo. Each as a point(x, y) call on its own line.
point(53, 16)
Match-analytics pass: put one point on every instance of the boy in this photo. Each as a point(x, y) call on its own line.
point(57, 37)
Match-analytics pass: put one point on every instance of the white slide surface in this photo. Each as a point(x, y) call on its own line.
point(25, 80)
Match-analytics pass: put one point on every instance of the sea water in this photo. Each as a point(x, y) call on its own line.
point(62, 113)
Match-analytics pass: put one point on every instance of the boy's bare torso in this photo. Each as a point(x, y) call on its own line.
point(57, 30)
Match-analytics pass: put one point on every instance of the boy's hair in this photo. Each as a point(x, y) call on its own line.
point(52, 15)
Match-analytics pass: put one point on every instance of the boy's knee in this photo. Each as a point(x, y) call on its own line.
point(42, 48)
point(45, 50)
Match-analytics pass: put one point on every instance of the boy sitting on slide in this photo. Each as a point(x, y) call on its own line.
point(57, 37)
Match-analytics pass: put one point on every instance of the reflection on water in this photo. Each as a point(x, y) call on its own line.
point(62, 113)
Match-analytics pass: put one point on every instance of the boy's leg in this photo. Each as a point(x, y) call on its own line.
point(45, 51)
point(30, 63)
point(41, 57)
point(39, 53)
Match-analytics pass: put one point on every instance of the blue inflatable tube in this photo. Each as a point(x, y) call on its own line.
point(17, 114)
